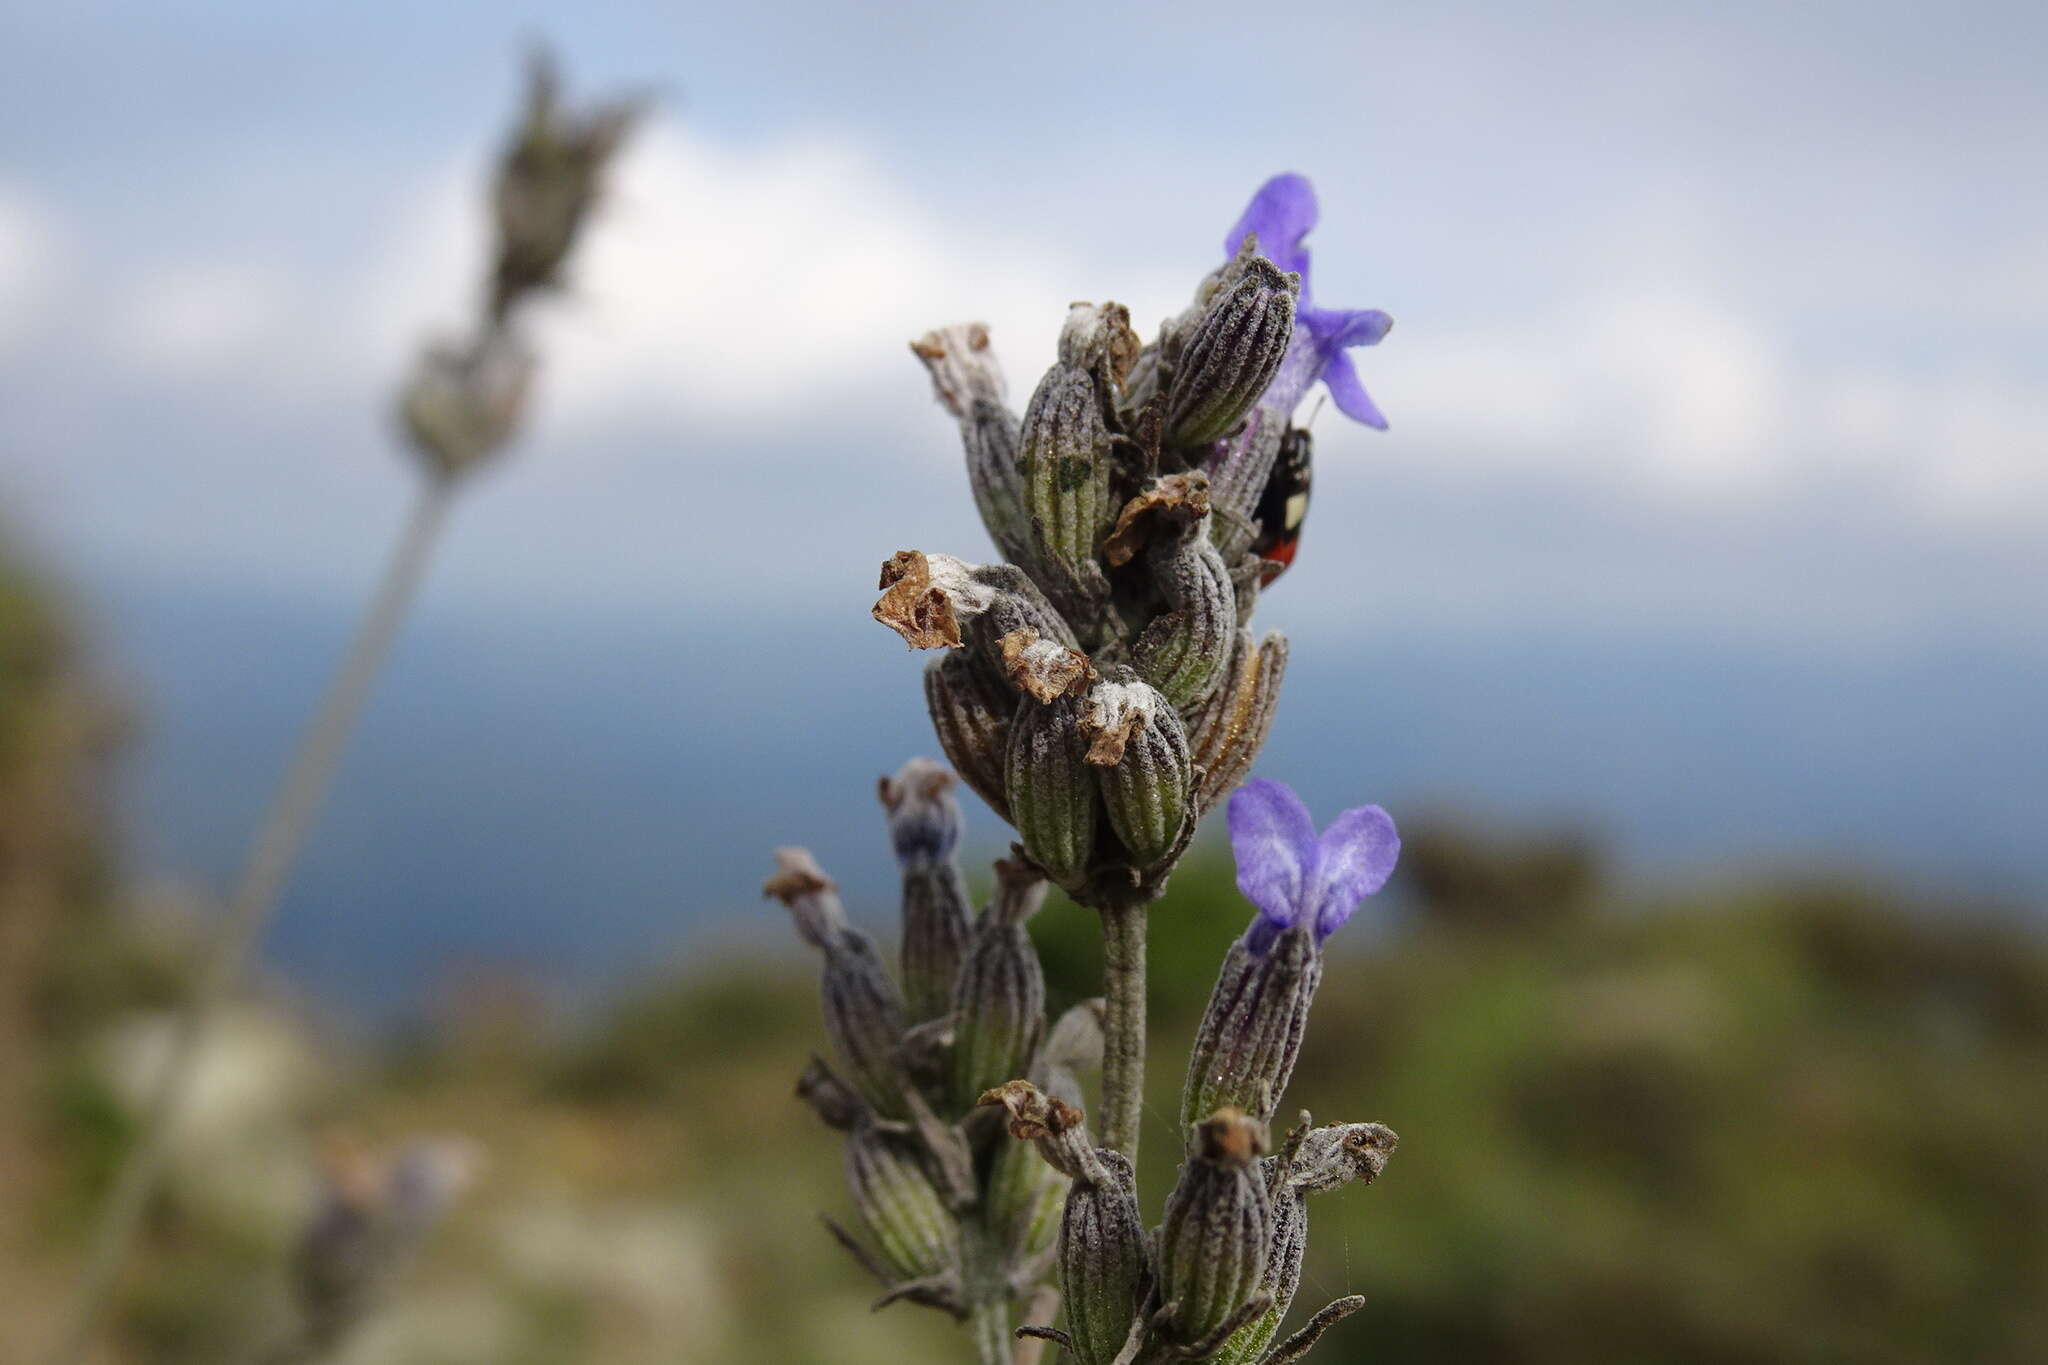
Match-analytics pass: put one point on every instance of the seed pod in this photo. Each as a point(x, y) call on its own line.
point(863, 1013)
point(1140, 754)
point(999, 995)
point(1217, 1233)
point(900, 1206)
point(969, 382)
point(1226, 735)
point(1233, 354)
point(1251, 1032)
point(1050, 787)
point(924, 830)
point(974, 733)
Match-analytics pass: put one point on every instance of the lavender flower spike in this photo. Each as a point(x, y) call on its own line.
point(1295, 877)
point(1281, 214)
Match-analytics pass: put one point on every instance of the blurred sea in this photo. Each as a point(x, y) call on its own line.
point(576, 801)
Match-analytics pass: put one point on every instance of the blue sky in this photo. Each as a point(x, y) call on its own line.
point(1719, 328)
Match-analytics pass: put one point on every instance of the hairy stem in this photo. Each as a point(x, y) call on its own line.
point(1123, 1027)
point(262, 879)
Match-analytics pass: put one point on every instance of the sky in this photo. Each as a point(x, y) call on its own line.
point(1717, 363)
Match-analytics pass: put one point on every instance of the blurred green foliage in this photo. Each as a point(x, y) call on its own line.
point(1791, 1124)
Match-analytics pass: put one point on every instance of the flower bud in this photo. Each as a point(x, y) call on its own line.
point(999, 995)
point(463, 403)
point(1217, 1233)
point(924, 830)
point(1233, 354)
point(1251, 1032)
point(969, 382)
point(1140, 754)
point(972, 730)
point(1185, 651)
point(1051, 788)
point(902, 1209)
point(1225, 736)
point(863, 1013)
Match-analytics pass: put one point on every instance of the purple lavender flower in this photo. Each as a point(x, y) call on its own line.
point(1292, 875)
point(1281, 213)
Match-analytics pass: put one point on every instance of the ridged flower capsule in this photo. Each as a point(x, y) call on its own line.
point(969, 382)
point(1233, 352)
point(863, 1012)
point(1140, 756)
point(1226, 734)
point(999, 994)
point(1066, 454)
point(1305, 886)
point(1104, 1267)
point(924, 831)
point(1316, 1160)
point(1216, 1235)
point(1051, 789)
point(973, 729)
point(900, 1206)
point(1185, 650)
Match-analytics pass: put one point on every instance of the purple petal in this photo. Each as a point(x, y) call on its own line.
point(1356, 857)
point(1339, 327)
point(1275, 844)
point(1281, 213)
point(1349, 393)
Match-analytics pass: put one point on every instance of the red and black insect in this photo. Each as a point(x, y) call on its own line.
point(1283, 506)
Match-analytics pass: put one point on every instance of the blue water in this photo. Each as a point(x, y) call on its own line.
point(575, 801)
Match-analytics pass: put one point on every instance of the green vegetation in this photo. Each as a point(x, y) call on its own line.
point(1791, 1124)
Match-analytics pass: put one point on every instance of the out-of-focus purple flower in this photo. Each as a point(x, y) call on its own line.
point(1294, 876)
point(1281, 213)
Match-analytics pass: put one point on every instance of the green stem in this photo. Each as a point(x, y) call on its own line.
point(986, 1290)
point(1123, 1027)
point(990, 1324)
point(262, 880)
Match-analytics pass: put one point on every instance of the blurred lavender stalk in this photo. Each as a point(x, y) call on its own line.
point(463, 404)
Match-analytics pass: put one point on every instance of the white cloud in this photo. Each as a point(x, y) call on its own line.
point(31, 255)
point(757, 284)
point(200, 319)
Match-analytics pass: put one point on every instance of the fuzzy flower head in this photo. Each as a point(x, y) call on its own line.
point(1281, 215)
point(1295, 876)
